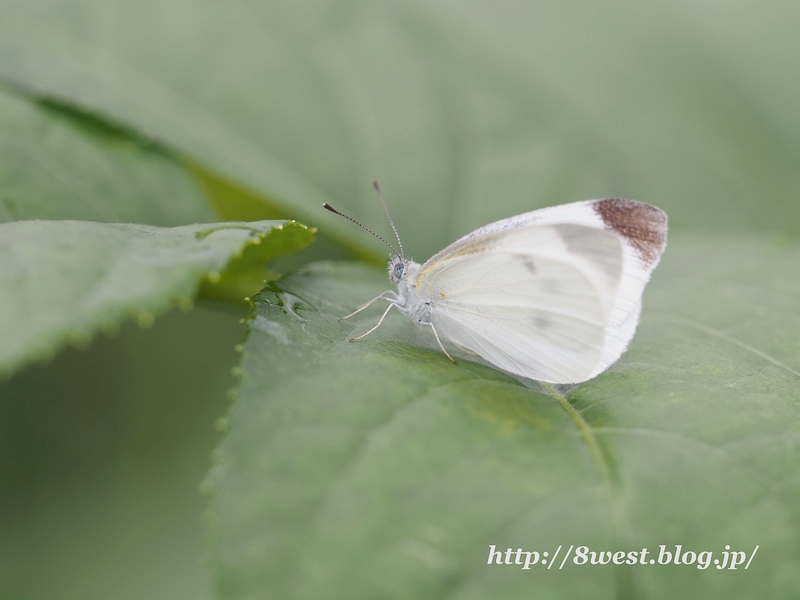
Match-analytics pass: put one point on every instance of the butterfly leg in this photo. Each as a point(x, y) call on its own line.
point(436, 335)
point(368, 304)
point(386, 312)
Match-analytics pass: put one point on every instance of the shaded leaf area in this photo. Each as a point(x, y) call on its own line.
point(71, 166)
point(101, 455)
point(62, 281)
point(466, 111)
point(378, 469)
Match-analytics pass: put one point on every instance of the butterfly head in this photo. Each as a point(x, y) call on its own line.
point(398, 268)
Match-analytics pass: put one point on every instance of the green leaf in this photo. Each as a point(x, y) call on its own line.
point(62, 281)
point(378, 469)
point(69, 166)
point(465, 111)
point(233, 202)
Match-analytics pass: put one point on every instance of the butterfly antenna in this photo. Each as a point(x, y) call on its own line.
point(388, 216)
point(336, 212)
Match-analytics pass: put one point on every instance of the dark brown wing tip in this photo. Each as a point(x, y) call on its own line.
point(643, 225)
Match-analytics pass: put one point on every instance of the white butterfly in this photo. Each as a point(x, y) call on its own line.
point(552, 295)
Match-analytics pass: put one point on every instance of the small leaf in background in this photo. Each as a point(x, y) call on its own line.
point(62, 281)
point(377, 469)
point(57, 165)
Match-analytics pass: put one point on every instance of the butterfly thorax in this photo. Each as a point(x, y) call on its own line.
point(403, 272)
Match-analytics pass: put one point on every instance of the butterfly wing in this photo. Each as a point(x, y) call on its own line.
point(553, 295)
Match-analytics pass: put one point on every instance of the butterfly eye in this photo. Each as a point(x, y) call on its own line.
point(398, 270)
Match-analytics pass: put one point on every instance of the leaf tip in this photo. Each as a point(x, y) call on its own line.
point(185, 304)
point(145, 319)
point(110, 329)
point(79, 339)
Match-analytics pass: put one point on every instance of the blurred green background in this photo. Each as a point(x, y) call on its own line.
point(103, 451)
point(190, 110)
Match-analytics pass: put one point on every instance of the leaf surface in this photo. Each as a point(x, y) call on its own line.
point(57, 165)
point(62, 281)
point(378, 469)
